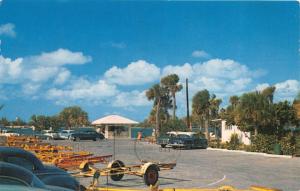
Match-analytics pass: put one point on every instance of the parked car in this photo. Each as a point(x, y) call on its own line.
point(8, 133)
point(65, 134)
point(13, 177)
point(42, 136)
point(187, 140)
point(51, 134)
point(49, 175)
point(86, 135)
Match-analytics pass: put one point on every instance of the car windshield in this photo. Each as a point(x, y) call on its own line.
point(183, 136)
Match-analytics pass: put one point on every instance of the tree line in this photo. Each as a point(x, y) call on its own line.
point(68, 118)
point(252, 111)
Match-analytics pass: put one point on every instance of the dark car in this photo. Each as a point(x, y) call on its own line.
point(187, 140)
point(13, 177)
point(49, 175)
point(86, 135)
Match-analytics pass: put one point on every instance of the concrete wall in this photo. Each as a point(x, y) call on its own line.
point(227, 131)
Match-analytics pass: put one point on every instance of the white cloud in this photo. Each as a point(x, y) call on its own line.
point(35, 72)
point(136, 73)
point(222, 77)
point(30, 88)
point(83, 90)
point(59, 57)
point(62, 77)
point(10, 70)
point(200, 54)
point(286, 90)
point(41, 73)
point(184, 71)
point(262, 86)
point(7, 29)
point(131, 99)
point(40, 68)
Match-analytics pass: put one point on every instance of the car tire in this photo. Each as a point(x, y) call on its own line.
point(151, 175)
point(163, 145)
point(82, 188)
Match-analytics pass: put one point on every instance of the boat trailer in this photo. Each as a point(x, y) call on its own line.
point(116, 170)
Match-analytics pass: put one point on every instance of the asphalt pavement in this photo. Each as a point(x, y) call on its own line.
point(196, 168)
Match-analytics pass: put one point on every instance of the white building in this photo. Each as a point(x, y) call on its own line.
point(115, 125)
point(228, 130)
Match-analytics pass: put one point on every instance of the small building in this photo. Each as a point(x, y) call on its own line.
point(115, 125)
point(228, 130)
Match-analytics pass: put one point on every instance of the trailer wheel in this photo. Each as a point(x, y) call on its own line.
point(116, 164)
point(151, 175)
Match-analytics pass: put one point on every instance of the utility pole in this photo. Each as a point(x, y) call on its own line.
point(187, 105)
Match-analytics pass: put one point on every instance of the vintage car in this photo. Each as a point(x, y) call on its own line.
point(13, 177)
point(49, 175)
point(51, 134)
point(86, 135)
point(179, 139)
point(65, 134)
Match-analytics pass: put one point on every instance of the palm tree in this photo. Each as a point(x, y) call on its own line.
point(156, 93)
point(269, 93)
point(171, 83)
point(201, 109)
point(234, 100)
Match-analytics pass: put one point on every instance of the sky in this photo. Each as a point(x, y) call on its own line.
point(103, 56)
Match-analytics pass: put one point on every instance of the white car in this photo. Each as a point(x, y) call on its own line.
point(51, 134)
point(65, 134)
point(9, 133)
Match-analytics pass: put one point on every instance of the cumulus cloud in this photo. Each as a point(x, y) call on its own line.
point(217, 75)
point(183, 71)
point(10, 69)
point(262, 86)
point(131, 99)
point(59, 57)
point(47, 75)
point(35, 72)
point(62, 77)
point(286, 90)
point(136, 73)
point(83, 90)
point(40, 68)
point(30, 88)
point(200, 54)
point(7, 29)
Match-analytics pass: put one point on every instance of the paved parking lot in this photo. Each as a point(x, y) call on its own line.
point(198, 168)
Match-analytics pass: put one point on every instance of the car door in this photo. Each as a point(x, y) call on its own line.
point(84, 135)
point(20, 161)
point(91, 135)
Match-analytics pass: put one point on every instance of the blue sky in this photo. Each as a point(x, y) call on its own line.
point(102, 56)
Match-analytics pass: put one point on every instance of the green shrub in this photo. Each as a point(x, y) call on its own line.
point(214, 143)
point(288, 145)
point(234, 142)
point(263, 143)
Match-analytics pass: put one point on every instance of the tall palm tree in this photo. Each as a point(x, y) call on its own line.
point(269, 93)
point(171, 82)
point(156, 93)
point(234, 100)
point(201, 109)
